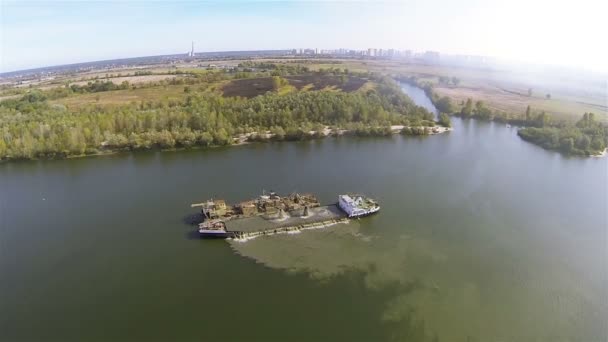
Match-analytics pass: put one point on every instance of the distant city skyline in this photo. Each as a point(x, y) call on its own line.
point(39, 34)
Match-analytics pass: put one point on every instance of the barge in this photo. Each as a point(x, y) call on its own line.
point(273, 214)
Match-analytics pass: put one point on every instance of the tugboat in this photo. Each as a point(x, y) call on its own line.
point(357, 205)
point(213, 228)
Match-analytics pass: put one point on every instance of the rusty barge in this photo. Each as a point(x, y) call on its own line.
point(273, 214)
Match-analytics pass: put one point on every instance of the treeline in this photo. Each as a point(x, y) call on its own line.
point(275, 69)
point(480, 111)
point(97, 86)
point(31, 127)
point(587, 137)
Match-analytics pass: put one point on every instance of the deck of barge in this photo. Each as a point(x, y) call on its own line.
point(258, 224)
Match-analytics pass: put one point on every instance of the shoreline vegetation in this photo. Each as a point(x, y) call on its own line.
point(285, 107)
point(218, 107)
point(586, 137)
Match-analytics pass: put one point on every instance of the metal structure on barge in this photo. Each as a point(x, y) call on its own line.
point(272, 214)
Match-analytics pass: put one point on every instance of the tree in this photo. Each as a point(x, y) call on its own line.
point(467, 110)
point(548, 96)
point(567, 145)
point(543, 119)
point(444, 120)
point(528, 114)
point(278, 82)
point(583, 142)
point(205, 139)
point(220, 137)
point(444, 105)
point(2, 148)
point(597, 144)
point(279, 132)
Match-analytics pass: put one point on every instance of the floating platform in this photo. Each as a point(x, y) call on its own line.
point(282, 223)
point(272, 214)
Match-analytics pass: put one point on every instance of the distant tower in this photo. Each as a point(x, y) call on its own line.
point(192, 51)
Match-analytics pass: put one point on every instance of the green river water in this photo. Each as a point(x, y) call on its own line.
point(481, 237)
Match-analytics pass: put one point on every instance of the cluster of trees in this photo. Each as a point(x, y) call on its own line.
point(97, 86)
point(480, 111)
point(444, 120)
point(586, 137)
point(444, 105)
point(278, 82)
point(275, 69)
point(416, 130)
point(31, 127)
point(447, 80)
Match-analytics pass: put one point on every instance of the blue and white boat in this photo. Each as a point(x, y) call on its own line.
point(357, 205)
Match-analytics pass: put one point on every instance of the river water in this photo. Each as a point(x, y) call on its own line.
point(481, 237)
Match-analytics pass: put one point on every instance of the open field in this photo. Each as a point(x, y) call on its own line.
point(498, 99)
point(131, 79)
point(117, 97)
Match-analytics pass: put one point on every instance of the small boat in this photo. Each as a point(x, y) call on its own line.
point(356, 206)
point(213, 228)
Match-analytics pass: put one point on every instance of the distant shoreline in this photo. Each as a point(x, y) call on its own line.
point(240, 140)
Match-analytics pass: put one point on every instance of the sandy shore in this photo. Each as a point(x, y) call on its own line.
point(603, 154)
point(244, 138)
point(434, 130)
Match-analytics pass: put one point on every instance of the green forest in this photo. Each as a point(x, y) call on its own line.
point(586, 137)
point(34, 127)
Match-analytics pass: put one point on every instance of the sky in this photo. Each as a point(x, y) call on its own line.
point(555, 32)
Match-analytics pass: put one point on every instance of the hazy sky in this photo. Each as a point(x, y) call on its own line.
point(43, 33)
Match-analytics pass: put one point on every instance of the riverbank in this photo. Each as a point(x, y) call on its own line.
point(587, 137)
point(244, 139)
point(247, 138)
point(601, 154)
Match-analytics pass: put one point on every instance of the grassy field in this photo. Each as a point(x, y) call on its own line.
point(506, 101)
point(117, 97)
point(242, 87)
point(131, 79)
